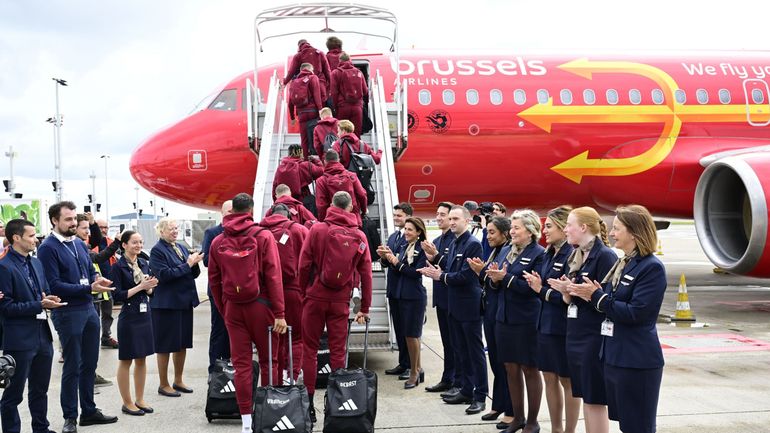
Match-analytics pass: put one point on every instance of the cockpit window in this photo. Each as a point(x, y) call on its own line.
point(225, 101)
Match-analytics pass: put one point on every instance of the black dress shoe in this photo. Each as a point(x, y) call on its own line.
point(491, 416)
point(97, 418)
point(396, 370)
point(513, 428)
point(127, 411)
point(165, 393)
point(475, 407)
point(405, 375)
point(145, 409)
point(502, 425)
point(70, 426)
point(183, 389)
point(451, 393)
point(410, 385)
point(458, 399)
point(439, 387)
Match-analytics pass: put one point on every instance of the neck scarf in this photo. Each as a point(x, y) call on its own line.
point(579, 256)
point(410, 252)
point(554, 248)
point(516, 251)
point(137, 271)
point(617, 270)
point(493, 254)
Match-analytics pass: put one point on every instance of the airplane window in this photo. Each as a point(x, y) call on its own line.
point(612, 96)
point(519, 96)
point(472, 96)
point(448, 96)
point(542, 96)
point(724, 96)
point(657, 96)
point(702, 95)
point(496, 97)
point(635, 96)
point(589, 97)
point(680, 96)
point(757, 96)
point(225, 101)
point(566, 96)
point(424, 97)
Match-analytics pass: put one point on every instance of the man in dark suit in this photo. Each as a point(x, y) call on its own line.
point(219, 341)
point(27, 337)
point(465, 319)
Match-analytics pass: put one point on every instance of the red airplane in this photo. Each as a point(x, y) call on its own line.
point(687, 136)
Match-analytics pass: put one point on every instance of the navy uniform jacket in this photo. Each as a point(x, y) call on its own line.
point(519, 304)
point(176, 280)
point(600, 260)
point(553, 313)
point(440, 290)
point(633, 307)
point(208, 237)
point(409, 280)
point(392, 278)
point(491, 294)
point(21, 303)
point(123, 279)
point(464, 289)
point(63, 270)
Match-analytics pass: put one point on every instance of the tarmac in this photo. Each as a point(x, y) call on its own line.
point(716, 378)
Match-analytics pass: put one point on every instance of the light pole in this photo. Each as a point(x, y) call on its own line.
point(57, 143)
point(106, 190)
point(11, 184)
point(93, 192)
point(137, 205)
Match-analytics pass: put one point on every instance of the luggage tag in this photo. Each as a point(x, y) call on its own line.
point(85, 282)
point(293, 211)
point(143, 307)
point(572, 311)
point(284, 238)
point(41, 316)
point(608, 328)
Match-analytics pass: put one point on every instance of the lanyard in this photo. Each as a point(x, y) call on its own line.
point(76, 256)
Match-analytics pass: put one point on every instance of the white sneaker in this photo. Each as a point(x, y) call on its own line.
point(356, 300)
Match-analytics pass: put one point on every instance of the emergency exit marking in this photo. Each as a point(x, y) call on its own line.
point(422, 194)
point(196, 160)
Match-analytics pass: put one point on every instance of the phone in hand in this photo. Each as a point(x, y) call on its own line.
point(86, 208)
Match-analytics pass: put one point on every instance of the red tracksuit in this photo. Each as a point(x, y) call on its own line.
point(324, 127)
point(290, 237)
point(355, 143)
point(297, 212)
point(344, 109)
point(309, 111)
point(328, 306)
point(247, 322)
point(297, 175)
point(325, 189)
point(333, 58)
point(307, 54)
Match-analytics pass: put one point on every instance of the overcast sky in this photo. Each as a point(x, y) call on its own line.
point(136, 66)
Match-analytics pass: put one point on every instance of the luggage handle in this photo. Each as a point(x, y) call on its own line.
point(366, 342)
point(270, 356)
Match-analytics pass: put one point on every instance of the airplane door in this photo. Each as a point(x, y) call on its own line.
point(757, 102)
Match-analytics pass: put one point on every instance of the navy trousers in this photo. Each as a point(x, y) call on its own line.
point(219, 340)
point(470, 347)
point(37, 362)
point(450, 374)
point(79, 335)
point(403, 351)
point(501, 398)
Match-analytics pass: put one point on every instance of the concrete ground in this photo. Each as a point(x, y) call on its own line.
point(717, 376)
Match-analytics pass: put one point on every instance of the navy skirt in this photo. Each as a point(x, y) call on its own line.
point(134, 334)
point(585, 368)
point(412, 316)
point(552, 354)
point(517, 343)
point(632, 397)
point(173, 329)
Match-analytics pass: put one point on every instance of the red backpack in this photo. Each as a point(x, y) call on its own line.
point(341, 254)
point(342, 182)
point(300, 91)
point(288, 273)
point(239, 259)
point(288, 174)
point(351, 85)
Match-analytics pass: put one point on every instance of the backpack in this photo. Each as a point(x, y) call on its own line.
point(278, 233)
point(288, 174)
point(351, 85)
point(300, 91)
point(361, 164)
point(341, 253)
point(341, 182)
point(329, 141)
point(239, 255)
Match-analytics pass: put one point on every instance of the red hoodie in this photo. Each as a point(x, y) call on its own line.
point(315, 95)
point(344, 152)
point(290, 237)
point(311, 261)
point(307, 54)
point(270, 280)
point(333, 57)
point(297, 175)
point(297, 212)
point(328, 184)
point(324, 127)
point(339, 81)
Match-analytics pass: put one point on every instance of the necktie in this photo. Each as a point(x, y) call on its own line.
point(31, 276)
point(177, 251)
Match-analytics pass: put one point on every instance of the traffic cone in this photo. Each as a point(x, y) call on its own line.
point(660, 248)
point(683, 312)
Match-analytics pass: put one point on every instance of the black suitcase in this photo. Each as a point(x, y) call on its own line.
point(220, 398)
point(281, 408)
point(350, 402)
point(324, 362)
point(372, 236)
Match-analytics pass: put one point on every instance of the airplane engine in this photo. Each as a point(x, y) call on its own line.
point(731, 213)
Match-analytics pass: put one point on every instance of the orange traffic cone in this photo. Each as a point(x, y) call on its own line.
point(683, 312)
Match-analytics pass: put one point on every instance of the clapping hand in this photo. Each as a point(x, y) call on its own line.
point(50, 301)
point(430, 249)
point(585, 289)
point(476, 264)
point(101, 285)
point(148, 284)
point(194, 259)
point(534, 280)
point(495, 273)
point(431, 271)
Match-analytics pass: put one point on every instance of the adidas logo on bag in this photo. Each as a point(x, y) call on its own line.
point(326, 369)
point(348, 405)
point(283, 424)
point(229, 387)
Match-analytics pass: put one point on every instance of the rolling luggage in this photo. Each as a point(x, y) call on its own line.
point(220, 398)
point(281, 408)
point(372, 236)
point(350, 402)
point(324, 362)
